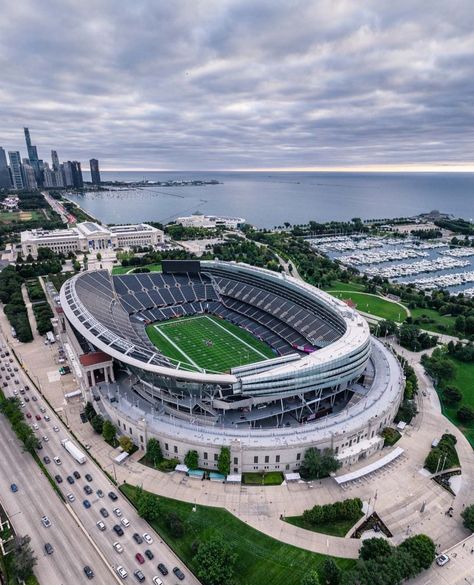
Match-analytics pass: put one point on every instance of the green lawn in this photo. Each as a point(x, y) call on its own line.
point(260, 559)
point(340, 528)
point(338, 285)
point(464, 381)
point(128, 269)
point(373, 305)
point(270, 478)
point(431, 320)
point(8, 217)
point(207, 342)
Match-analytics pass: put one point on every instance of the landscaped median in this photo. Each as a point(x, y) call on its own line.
point(260, 558)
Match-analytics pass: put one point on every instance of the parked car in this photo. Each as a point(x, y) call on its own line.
point(48, 547)
point(58, 478)
point(121, 572)
point(139, 558)
point(113, 496)
point(70, 479)
point(118, 530)
point(46, 521)
point(162, 568)
point(139, 576)
point(100, 525)
point(46, 460)
point(86, 504)
point(441, 560)
point(100, 493)
point(71, 497)
point(76, 474)
point(89, 572)
point(57, 460)
point(125, 522)
point(149, 555)
point(88, 476)
point(118, 512)
point(88, 489)
point(179, 573)
point(14, 488)
point(136, 537)
point(118, 547)
point(147, 538)
point(157, 581)
point(104, 512)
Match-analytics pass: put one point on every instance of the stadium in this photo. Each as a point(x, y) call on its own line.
point(212, 353)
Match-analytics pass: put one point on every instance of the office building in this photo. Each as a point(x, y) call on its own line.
point(15, 167)
point(95, 173)
point(34, 160)
point(29, 176)
point(68, 178)
point(55, 160)
point(5, 178)
point(90, 236)
point(77, 174)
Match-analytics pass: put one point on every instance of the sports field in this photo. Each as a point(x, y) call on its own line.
point(205, 342)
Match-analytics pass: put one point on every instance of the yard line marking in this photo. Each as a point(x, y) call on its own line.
point(169, 340)
point(236, 337)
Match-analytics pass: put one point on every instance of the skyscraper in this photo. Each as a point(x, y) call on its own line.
point(32, 151)
point(5, 179)
point(77, 174)
point(67, 174)
point(35, 162)
point(29, 176)
point(95, 173)
point(15, 167)
point(55, 160)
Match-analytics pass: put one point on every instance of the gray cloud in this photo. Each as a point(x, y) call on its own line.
point(219, 84)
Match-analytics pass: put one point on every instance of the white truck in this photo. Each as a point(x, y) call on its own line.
point(50, 337)
point(74, 451)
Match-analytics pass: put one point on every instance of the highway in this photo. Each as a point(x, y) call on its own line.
point(34, 499)
point(72, 549)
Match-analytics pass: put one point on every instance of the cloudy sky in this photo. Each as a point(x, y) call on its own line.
point(217, 84)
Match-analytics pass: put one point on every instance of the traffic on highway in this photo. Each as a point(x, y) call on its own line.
point(122, 540)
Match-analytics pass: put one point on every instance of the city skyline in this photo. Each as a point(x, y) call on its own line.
point(242, 85)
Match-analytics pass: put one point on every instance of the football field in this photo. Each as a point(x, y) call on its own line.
point(205, 342)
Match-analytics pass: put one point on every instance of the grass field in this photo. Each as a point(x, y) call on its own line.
point(464, 381)
point(431, 320)
point(373, 305)
point(129, 269)
point(340, 528)
point(8, 217)
point(270, 478)
point(206, 342)
point(260, 559)
point(339, 285)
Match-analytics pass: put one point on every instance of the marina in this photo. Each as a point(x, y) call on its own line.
point(450, 268)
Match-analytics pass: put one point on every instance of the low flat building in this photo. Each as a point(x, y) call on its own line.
point(198, 220)
point(89, 236)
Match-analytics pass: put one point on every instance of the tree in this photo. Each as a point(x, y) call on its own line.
point(468, 517)
point(109, 432)
point(223, 461)
point(90, 411)
point(452, 394)
point(465, 414)
point(175, 525)
point(23, 559)
point(215, 562)
point(374, 548)
point(148, 506)
point(329, 572)
point(126, 443)
point(153, 452)
point(311, 578)
point(421, 548)
point(98, 423)
point(191, 459)
point(317, 464)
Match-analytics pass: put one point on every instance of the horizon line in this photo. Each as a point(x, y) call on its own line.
point(415, 168)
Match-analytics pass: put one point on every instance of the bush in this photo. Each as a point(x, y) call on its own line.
point(443, 456)
point(465, 414)
point(349, 509)
point(215, 562)
point(374, 548)
point(391, 436)
point(468, 517)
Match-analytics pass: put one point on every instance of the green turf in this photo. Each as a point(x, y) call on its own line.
point(211, 343)
point(463, 380)
point(260, 559)
point(373, 305)
point(340, 528)
point(270, 478)
point(431, 320)
point(130, 269)
point(31, 215)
